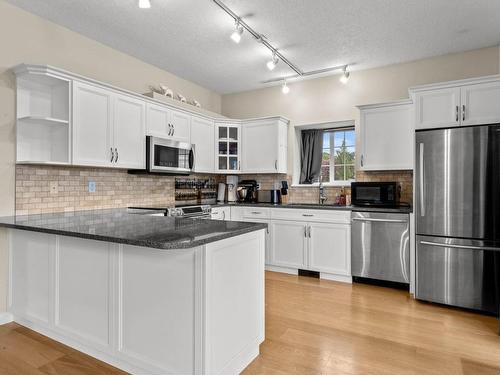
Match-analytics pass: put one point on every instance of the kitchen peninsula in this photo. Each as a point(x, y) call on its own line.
point(147, 294)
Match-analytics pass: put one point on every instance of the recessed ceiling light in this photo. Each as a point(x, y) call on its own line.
point(285, 89)
point(236, 35)
point(345, 76)
point(144, 4)
point(271, 64)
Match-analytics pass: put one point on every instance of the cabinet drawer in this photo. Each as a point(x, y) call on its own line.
point(256, 212)
point(323, 216)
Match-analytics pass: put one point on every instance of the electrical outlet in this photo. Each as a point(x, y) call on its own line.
point(258, 185)
point(54, 187)
point(91, 186)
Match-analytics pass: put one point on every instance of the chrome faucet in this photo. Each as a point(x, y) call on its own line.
point(322, 196)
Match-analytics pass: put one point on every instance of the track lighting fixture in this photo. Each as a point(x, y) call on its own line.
point(271, 64)
point(238, 30)
point(144, 4)
point(284, 88)
point(345, 76)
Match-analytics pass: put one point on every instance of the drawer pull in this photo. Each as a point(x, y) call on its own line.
point(256, 213)
point(307, 215)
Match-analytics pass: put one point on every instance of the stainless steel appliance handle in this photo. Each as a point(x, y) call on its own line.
point(422, 187)
point(456, 113)
point(463, 112)
point(379, 220)
point(112, 155)
point(437, 244)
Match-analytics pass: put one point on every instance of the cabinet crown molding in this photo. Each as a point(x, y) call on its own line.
point(456, 83)
point(385, 104)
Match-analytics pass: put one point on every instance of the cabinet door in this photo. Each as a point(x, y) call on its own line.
point(180, 123)
point(437, 108)
point(386, 138)
point(129, 132)
point(92, 125)
point(227, 148)
point(260, 146)
point(221, 213)
point(157, 121)
point(481, 104)
point(329, 248)
point(288, 240)
point(202, 137)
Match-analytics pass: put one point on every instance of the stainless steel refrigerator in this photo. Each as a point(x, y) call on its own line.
point(457, 182)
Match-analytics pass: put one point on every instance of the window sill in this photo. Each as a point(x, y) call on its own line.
point(338, 184)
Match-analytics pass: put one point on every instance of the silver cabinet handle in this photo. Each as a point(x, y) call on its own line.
point(276, 164)
point(456, 113)
point(112, 155)
point(463, 112)
point(422, 187)
point(256, 212)
point(239, 165)
point(116, 155)
point(379, 220)
point(223, 215)
point(362, 160)
point(307, 215)
point(309, 234)
point(170, 129)
point(173, 130)
point(305, 231)
point(487, 248)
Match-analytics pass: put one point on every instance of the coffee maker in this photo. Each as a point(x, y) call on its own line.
point(247, 191)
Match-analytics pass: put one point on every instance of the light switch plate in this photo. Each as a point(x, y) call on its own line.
point(91, 186)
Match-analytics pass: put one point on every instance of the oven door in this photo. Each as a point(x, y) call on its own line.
point(167, 156)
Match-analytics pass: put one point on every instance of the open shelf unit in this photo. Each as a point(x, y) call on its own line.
point(43, 119)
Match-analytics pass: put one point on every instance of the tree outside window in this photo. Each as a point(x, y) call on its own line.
point(339, 154)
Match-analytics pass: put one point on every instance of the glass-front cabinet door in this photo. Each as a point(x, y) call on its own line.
point(228, 148)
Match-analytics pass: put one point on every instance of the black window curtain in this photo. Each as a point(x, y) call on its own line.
point(311, 155)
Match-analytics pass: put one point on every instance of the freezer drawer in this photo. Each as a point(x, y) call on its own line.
point(458, 272)
point(380, 246)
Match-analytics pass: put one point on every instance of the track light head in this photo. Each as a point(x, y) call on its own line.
point(284, 88)
point(236, 35)
point(271, 64)
point(345, 76)
point(144, 4)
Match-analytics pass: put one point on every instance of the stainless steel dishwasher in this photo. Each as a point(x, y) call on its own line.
point(380, 246)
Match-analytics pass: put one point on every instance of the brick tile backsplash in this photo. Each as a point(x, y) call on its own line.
point(116, 188)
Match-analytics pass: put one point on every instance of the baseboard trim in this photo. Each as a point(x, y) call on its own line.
point(5, 318)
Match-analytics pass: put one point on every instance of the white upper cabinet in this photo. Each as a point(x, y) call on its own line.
point(481, 103)
point(203, 139)
point(264, 146)
point(386, 136)
point(92, 125)
point(227, 148)
point(437, 108)
point(467, 102)
point(129, 132)
point(164, 122)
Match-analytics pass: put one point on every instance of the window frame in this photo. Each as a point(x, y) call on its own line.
point(333, 146)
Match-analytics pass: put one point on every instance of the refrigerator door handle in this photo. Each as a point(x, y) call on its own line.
point(437, 244)
point(422, 188)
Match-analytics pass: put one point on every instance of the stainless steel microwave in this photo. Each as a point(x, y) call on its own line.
point(168, 156)
point(376, 194)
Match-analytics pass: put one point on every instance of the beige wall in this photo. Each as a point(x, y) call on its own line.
point(25, 38)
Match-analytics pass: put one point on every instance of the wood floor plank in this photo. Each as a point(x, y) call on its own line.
point(317, 327)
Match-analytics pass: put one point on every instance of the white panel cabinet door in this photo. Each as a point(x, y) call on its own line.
point(203, 139)
point(386, 138)
point(221, 213)
point(180, 123)
point(260, 147)
point(92, 125)
point(129, 132)
point(481, 104)
point(329, 248)
point(437, 108)
point(288, 243)
point(157, 121)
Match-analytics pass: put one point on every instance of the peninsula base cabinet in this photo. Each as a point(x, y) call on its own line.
point(146, 311)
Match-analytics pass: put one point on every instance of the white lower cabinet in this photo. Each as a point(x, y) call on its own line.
point(221, 213)
point(288, 247)
point(329, 248)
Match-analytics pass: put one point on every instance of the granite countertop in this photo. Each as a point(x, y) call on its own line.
point(140, 230)
point(312, 206)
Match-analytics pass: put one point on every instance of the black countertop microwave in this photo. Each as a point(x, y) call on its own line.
point(375, 194)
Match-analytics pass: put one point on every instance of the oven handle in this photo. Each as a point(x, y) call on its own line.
point(437, 244)
point(191, 159)
point(379, 220)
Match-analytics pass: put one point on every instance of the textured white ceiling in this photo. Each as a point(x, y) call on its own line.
point(190, 38)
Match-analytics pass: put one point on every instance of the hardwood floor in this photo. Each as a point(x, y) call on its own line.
point(317, 327)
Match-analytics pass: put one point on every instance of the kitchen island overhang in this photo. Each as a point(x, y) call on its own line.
point(195, 309)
